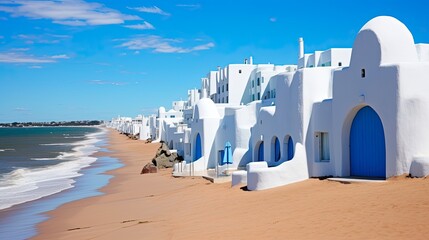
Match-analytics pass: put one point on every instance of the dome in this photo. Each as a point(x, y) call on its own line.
point(383, 40)
point(205, 108)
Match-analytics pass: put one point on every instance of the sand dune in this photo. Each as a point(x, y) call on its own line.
point(158, 206)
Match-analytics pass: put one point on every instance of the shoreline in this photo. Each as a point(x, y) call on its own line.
point(19, 221)
point(158, 206)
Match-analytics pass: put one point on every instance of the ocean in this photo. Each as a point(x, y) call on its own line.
point(42, 168)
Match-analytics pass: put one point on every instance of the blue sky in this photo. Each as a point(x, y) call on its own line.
point(76, 60)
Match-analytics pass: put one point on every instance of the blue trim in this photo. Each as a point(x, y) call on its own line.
point(198, 151)
point(290, 151)
point(261, 152)
point(367, 145)
point(277, 153)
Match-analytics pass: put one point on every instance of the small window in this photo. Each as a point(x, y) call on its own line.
point(253, 97)
point(223, 100)
point(253, 83)
point(223, 88)
point(340, 64)
point(259, 96)
point(262, 79)
point(239, 71)
point(227, 86)
point(269, 95)
point(362, 72)
point(218, 89)
point(227, 99)
point(258, 82)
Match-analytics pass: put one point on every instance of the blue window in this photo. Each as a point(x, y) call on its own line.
point(277, 153)
point(198, 150)
point(261, 152)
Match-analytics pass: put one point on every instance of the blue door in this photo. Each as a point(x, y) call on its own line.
point(290, 151)
point(261, 152)
point(198, 152)
point(277, 154)
point(367, 146)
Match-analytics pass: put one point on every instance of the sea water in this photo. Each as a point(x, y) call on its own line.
point(39, 162)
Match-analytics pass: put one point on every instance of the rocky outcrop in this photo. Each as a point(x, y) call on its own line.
point(149, 168)
point(164, 158)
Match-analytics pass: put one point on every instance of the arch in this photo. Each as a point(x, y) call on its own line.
point(275, 149)
point(171, 145)
point(198, 149)
point(288, 147)
point(367, 145)
point(260, 151)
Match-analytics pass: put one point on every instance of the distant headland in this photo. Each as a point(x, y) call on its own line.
point(53, 124)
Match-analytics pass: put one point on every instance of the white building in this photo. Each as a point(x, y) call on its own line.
point(365, 120)
point(343, 112)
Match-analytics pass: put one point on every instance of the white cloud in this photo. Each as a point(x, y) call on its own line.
point(161, 45)
point(203, 47)
point(189, 6)
point(154, 9)
point(66, 12)
point(43, 38)
point(101, 82)
point(35, 67)
point(13, 57)
point(19, 49)
point(144, 26)
point(273, 19)
point(21, 109)
point(62, 56)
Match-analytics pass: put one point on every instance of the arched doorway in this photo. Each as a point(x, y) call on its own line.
point(367, 145)
point(288, 147)
point(261, 151)
point(198, 150)
point(276, 149)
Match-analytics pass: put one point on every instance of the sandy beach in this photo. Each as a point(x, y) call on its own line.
point(158, 206)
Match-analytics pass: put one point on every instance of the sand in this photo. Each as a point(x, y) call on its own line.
point(158, 206)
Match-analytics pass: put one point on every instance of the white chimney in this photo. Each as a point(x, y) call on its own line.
point(251, 60)
point(301, 47)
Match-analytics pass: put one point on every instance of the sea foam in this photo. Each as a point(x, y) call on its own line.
point(23, 185)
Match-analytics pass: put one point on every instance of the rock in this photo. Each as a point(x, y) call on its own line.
point(149, 168)
point(164, 158)
point(163, 161)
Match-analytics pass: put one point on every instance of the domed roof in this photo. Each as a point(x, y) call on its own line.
point(384, 40)
point(205, 108)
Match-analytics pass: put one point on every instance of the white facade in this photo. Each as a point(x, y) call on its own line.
point(340, 112)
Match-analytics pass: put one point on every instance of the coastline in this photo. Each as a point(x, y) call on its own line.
point(19, 221)
point(158, 206)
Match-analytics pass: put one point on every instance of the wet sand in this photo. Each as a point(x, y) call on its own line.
point(158, 206)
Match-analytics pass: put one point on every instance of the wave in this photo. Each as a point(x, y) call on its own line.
point(57, 144)
point(23, 185)
point(7, 149)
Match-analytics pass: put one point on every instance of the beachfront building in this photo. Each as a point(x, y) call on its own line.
point(226, 113)
point(365, 120)
point(341, 112)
